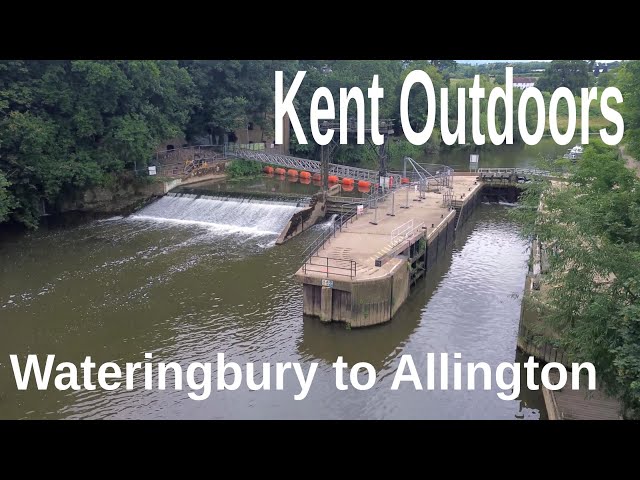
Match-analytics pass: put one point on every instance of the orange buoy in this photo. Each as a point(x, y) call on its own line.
point(280, 171)
point(364, 184)
point(305, 175)
point(317, 177)
point(347, 181)
point(305, 181)
point(405, 180)
point(333, 179)
point(268, 169)
point(347, 187)
point(292, 173)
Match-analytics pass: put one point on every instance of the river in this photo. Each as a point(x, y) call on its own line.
point(517, 155)
point(186, 278)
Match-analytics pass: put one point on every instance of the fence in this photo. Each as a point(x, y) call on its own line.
point(403, 231)
point(328, 265)
point(540, 349)
point(187, 161)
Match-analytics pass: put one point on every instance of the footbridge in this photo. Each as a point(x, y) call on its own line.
point(313, 166)
point(513, 173)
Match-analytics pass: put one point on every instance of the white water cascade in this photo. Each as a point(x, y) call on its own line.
point(226, 215)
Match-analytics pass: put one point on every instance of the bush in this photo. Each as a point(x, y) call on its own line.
point(244, 168)
point(7, 202)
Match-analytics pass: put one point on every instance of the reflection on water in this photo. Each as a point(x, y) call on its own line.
point(276, 186)
point(517, 155)
point(117, 288)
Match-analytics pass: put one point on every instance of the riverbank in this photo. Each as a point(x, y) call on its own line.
point(632, 163)
point(126, 195)
point(540, 341)
point(189, 289)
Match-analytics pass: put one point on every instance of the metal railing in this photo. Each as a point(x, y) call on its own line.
point(183, 161)
point(405, 232)
point(318, 243)
point(427, 174)
point(275, 158)
point(401, 232)
point(330, 266)
point(524, 172)
point(349, 215)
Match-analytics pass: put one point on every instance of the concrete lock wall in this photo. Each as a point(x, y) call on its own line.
point(371, 302)
point(362, 303)
point(400, 287)
point(311, 295)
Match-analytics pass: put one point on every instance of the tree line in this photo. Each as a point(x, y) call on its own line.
point(67, 125)
point(589, 298)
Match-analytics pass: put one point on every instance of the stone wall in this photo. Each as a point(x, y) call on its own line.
point(303, 220)
point(127, 195)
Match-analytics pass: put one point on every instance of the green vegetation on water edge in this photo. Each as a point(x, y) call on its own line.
point(589, 298)
point(68, 125)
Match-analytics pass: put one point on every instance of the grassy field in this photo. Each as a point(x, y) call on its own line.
point(595, 123)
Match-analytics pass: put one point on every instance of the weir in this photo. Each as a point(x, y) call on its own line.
point(256, 216)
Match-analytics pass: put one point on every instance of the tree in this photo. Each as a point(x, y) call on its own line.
point(628, 81)
point(418, 105)
point(232, 93)
point(65, 125)
point(573, 74)
point(606, 79)
point(6, 198)
point(590, 228)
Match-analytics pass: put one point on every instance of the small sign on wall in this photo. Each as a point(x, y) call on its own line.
point(327, 283)
point(152, 170)
point(359, 209)
point(473, 161)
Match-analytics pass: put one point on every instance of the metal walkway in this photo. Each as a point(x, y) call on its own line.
point(305, 164)
point(518, 172)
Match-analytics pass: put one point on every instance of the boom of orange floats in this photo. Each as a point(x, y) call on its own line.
point(348, 184)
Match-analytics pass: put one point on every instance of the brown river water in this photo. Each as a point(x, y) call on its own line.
point(186, 278)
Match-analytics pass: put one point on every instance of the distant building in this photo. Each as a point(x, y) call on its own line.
point(251, 132)
point(523, 82)
point(248, 134)
point(600, 68)
point(172, 144)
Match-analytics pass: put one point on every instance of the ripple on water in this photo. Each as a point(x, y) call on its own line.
point(124, 287)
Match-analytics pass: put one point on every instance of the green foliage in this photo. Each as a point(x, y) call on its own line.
point(65, 125)
point(362, 156)
point(607, 79)
point(418, 105)
point(628, 79)
point(401, 147)
point(573, 74)
point(466, 70)
point(6, 198)
point(232, 93)
point(243, 168)
point(590, 228)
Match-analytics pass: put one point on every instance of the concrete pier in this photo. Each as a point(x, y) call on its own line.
point(365, 273)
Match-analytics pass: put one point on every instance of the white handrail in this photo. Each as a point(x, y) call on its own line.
point(402, 231)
